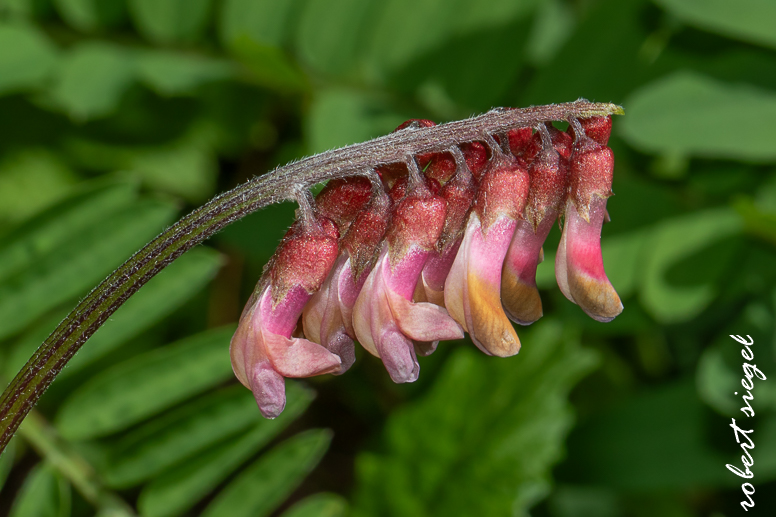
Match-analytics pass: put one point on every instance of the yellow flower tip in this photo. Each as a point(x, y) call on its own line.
point(491, 329)
point(596, 297)
point(521, 302)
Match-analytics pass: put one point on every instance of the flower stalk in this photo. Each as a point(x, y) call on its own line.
point(283, 183)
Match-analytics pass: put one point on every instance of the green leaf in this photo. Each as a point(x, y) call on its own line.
point(163, 442)
point(747, 20)
point(173, 73)
point(690, 114)
point(483, 440)
point(259, 489)
point(31, 179)
point(92, 79)
point(146, 384)
point(170, 21)
point(157, 299)
point(668, 424)
point(720, 370)
point(319, 505)
point(402, 30)
point(6, 461)
point(265, 22)
point(78, 264)
point(180, 487)
point(583, 66)
point(269, 66)
point(91, 15)
point(342, 117)
point(27, 58)
point(672, 241)
point(334, 50)
point(552, 26)
point(44, 494)
point(187, 168)
point(72, 216)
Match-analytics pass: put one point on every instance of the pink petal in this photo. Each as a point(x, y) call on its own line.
point(476, 277)
point(587, 282)
point(298, 357)
point(269, 390)
point(386, 320)
point(519, 294)
point(323, 322)
point(435, 274)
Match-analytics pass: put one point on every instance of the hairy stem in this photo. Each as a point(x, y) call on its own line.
point(40, 371)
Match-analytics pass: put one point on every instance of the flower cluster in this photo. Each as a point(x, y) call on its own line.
point(427, 249)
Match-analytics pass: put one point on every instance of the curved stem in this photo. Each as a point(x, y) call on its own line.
point(31, 382)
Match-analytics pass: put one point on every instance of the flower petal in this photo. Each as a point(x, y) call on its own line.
point(323, 322)
point(588, 284)
point(269, 389)
point(519, 294)
point(299, 357)
point(472, 290)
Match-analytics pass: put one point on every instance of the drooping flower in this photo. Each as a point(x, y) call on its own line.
point(385, 318)
point(548, 172)
point(473, 287)
point(420, 251)
point(579, 266)
point(264, 350)
point(327, 317)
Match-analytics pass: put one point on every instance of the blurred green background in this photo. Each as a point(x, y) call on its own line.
point(118, 116)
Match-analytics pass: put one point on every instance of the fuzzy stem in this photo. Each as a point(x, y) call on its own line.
point(31, 382)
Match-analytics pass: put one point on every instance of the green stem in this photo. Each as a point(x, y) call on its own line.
point(40, 371)
point(47, 443)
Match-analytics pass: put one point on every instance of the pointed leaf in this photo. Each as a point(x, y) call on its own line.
point(44, 494)
point(259, 489)
point(78, 264)
point(172, 73)
point(319, 505)
point(146, 384)
point(70, 217)
point(27, 58)
point(92, 79)
point(672, 241)
point(265, 22)
point(162, 295)
point(163, 442)
point(179, 488)
point(689, 114)
point(746, 20)
point(170, 21)
point(482, 442)
point(91, 15)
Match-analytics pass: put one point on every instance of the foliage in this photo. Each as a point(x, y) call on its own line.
point(120, 115)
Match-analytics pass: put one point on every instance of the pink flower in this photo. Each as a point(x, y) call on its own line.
point(549, 180)
point(385, 318)
point(405, 259)
point(473, 287)
point(263, 349)
point(328, 316)
point(579, 266)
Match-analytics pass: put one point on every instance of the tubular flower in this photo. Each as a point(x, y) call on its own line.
point(579, 266)
point(385, 318)
point(327, 317)
point(473, 287)
point(548, 172)
point(421, 250)
point(263, 349)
